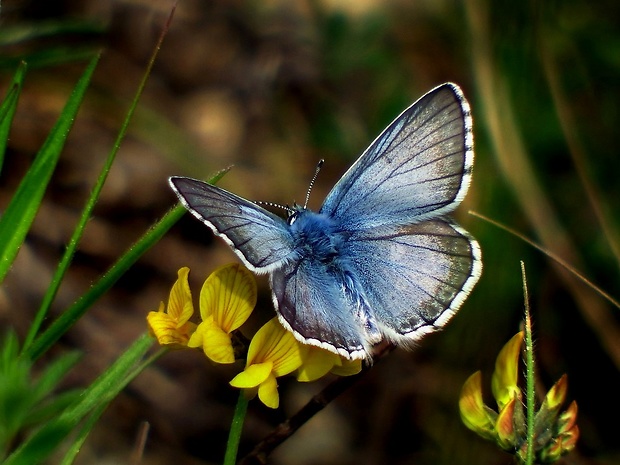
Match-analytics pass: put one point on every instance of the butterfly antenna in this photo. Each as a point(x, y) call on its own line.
point(288, 209)
point(316, 173)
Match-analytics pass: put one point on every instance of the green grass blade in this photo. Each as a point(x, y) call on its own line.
point(41, 30)
point(44, 441)
point(55, 370)
point(18, 216)
point(36, 43)
point(82, 435)
point(8, 107)
point(51, 57)
point(50, 408)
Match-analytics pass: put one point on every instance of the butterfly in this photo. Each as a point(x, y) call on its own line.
point(380, 261)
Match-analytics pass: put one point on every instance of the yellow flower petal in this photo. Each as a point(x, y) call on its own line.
point(196, 339)
point(253, 375)
point(505, 376)
point(475, 415)
point(568, 418)
point(173, 326)
point(216, 344)
point(229, 295)
point(273, 352)
point(505, 426)
point(161, 326)
point(316, 363)
point(347, 367)
point(180, 307)
point(165, 329)
point(275, 344)
point(151, 317)
point(268, 392)
point(557, 394)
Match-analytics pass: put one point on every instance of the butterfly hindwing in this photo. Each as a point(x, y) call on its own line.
point(311, 302)
point(418, 167)
point(414, 277)
point(260, 238)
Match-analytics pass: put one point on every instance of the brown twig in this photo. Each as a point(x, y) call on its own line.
point(258, 456)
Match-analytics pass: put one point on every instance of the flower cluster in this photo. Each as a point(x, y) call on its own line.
point(227, 299)
point(555, 432)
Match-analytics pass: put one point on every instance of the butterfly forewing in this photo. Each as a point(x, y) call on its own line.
point(418, 168)
point(260, 238)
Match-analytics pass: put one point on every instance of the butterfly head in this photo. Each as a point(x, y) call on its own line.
point(294, 213)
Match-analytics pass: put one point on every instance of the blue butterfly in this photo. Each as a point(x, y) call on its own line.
point(380, 261)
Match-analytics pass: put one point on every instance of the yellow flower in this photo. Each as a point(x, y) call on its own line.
point(317, 362)
point(506, 374)
point(273, 352)
point(555, 432)
point(227, 298)
point(172, 326)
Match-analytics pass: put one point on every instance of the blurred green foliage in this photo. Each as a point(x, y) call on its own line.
point(25, 402)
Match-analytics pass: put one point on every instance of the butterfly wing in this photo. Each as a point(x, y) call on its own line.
point(419, 167)
point(414, 277)
point(261, 239)
point(311, 303)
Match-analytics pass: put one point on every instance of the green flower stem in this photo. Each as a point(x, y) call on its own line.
point(235, 430)
point(529, 373)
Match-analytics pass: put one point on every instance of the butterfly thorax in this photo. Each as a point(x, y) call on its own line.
point(317, 236)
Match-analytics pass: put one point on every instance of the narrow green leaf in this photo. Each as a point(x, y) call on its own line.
point(19, 214)
point(30, 32)
point(50, 408)
point(82, 435)
point(8, 107)
point(55, 371)
point(9, 349)
point(41, 444)
point(52, 56)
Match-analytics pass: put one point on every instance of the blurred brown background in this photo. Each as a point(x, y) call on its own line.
point(272, 87)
